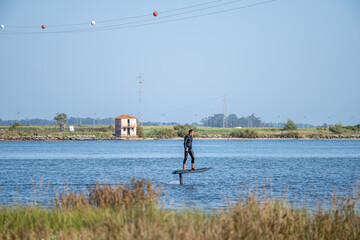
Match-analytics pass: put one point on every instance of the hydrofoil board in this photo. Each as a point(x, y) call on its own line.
point(190, 171)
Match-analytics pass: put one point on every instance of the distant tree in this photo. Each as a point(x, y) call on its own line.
point(325, 125)
point(232, 121)
point(216, 120)
point(60, 118)
point(243, 122)
point(14, 126)
point(290, 125)
point(254, 121)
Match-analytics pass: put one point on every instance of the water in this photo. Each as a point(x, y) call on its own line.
point(301, 165)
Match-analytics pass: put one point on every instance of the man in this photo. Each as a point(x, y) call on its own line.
point(188, 149)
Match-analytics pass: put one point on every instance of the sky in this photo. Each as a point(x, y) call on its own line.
point(285, 59)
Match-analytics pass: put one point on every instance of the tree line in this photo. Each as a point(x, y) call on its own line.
point(70, 121)
point(216, 120)
point(231, 121)
point(78, 121)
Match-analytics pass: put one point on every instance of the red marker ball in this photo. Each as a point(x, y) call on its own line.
point(155, 13)
point(43, 27)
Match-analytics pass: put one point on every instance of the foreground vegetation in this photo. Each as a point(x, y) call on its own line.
point(166, 132)
point(132, 212)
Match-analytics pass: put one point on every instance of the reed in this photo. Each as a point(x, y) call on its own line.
point(132, 212)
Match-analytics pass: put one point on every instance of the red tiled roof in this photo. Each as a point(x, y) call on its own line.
point(125, 116)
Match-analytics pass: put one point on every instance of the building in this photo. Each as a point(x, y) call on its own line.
point(125, 126)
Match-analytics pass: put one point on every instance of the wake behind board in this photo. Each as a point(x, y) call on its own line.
point(181, 172)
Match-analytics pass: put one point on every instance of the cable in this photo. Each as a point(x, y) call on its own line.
point(177, 14)
point(141, 21)
point(119, 19)
point(147, 24)
point(138, 16)
point(185, 18)
point(197, 5)
point(170, 16)
point(162, 12)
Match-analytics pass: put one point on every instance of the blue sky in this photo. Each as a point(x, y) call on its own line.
point(280, 60)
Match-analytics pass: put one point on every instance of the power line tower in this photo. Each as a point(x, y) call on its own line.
point(141, 80)
point(224, 115)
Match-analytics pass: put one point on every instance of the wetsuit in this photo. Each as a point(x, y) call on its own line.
point(188, 146)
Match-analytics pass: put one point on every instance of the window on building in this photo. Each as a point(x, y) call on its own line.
point(124, 129)
point(129, 121)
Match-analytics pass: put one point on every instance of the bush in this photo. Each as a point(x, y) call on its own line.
point(290, 125)
point(139, 192)
point(140, 131)
point(244, 133)
point(14, 126)
point(355, 128)
point(165, 133)
point(337, 129)
point(182, 130)
point(290, 135)
point(316, 135)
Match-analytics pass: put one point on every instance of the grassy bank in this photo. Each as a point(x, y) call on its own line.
point(211, 132)
point(107, 131)
point(132, 212)
point(54, 130)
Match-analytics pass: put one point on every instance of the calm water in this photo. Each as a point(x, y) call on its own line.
point(302, 165)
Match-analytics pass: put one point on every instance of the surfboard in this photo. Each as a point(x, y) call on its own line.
point(190, 171)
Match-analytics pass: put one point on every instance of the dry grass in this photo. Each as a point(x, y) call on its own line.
point(139, 192)
point(132, 212)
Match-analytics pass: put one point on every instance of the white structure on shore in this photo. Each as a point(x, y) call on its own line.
point(125, 126)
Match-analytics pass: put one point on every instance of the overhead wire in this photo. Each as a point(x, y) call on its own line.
point(173, 15)
point(135, 24)
point(162, 12)
point(185, 18)
point(120, 19)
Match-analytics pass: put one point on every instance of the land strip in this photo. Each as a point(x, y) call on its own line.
point(106, 132)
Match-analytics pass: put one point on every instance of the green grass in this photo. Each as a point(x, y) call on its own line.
point(132, 212)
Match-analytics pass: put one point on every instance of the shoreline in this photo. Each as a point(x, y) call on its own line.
point(94, 138)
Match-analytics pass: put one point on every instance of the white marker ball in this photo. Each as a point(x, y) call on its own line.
point(2, 26)
point(93, 22)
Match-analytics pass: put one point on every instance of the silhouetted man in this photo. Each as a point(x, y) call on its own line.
point(188, 149)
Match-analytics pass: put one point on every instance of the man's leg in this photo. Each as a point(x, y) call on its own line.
point(192, 159)
point(184, 162)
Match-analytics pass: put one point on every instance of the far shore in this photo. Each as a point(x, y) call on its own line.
point(94, 138)
point(106, 133)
